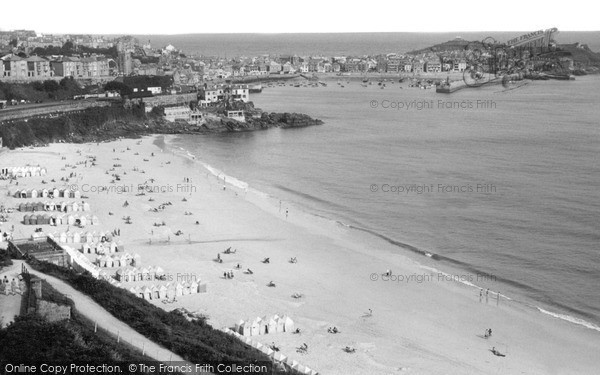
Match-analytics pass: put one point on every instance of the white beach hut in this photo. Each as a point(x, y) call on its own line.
point(255, 327)
point(288, 324)
point(272, 325)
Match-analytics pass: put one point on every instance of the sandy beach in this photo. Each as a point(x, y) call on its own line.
point(421, 323)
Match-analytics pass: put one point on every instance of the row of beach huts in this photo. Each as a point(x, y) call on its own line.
point(264, 325)
point(167, 291)
point(54, 206)
point(60, 219)
point(46, 193)
point(282, 361)
point(27, 171)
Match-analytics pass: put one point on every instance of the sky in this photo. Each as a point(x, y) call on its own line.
point(259, 16)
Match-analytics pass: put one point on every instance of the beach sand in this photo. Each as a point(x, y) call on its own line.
point(421, 325)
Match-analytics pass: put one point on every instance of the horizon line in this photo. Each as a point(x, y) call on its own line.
point(294, 32)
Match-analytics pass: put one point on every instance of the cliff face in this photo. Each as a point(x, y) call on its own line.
point(108, 123)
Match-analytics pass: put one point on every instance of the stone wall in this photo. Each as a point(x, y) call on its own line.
point(52, 312)
point(163, 100)
point(14, 114)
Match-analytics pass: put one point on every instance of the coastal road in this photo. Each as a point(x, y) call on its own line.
point(96, 313)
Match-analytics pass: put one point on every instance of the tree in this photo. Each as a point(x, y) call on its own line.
point(122, 88)
point(67, 48)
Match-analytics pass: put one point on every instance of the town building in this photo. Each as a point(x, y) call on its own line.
point(125, 63)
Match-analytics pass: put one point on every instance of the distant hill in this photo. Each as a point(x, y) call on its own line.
point(457, 44)
point(581, 54)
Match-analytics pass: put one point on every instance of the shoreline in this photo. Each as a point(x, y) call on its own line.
point(409, 249)
point(436, 331)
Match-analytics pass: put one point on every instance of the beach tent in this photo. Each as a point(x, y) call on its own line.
point(255, 327)
point(86, 249)
point(134, 290)
point(53, 220)
point(75, 194)
point(22, 207)
point(61, 219)
point(272, 325)
point(238, 325)
point(76, 237)
point(63, 237)
point(44, 193)
point(244, 328)
point(55, 193)
point(162, 291)
point(46, 219)
point(136, 260)
point(179, 289)
point(26, 219)
point(33, 193)
point(69, 237)
point(43, 171)
point(88, 237)
point(288, 324)
point(147, 293)
point(71, 220)
point(32, 219)
point(69, 207)
point(193, 287)
point(112, 247)
point(95, 220)
point(75, 206)
point(39, 206)
point(121, 275)
point(82, 221)
point(155, 292)
point(280, 324)
point(49, 206)
point(96, 237)
point(85, 206)
point(264, 326)
point(123, 260)
point(170, 291)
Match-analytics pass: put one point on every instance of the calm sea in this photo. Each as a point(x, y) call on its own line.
point(506, 186)
point(335, 44)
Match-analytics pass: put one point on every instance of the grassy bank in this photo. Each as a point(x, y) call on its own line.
point(195, 341)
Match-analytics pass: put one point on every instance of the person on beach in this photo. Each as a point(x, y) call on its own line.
point(487, 293)
point(497, 298)
point(286, 213)
point(480, 295)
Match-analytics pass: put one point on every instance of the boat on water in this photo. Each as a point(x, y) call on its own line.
point(322, 83)
point(255, 88)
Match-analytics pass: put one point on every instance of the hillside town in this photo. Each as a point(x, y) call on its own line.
point(29, 56)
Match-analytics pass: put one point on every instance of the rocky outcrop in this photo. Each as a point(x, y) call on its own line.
point(108, 123)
